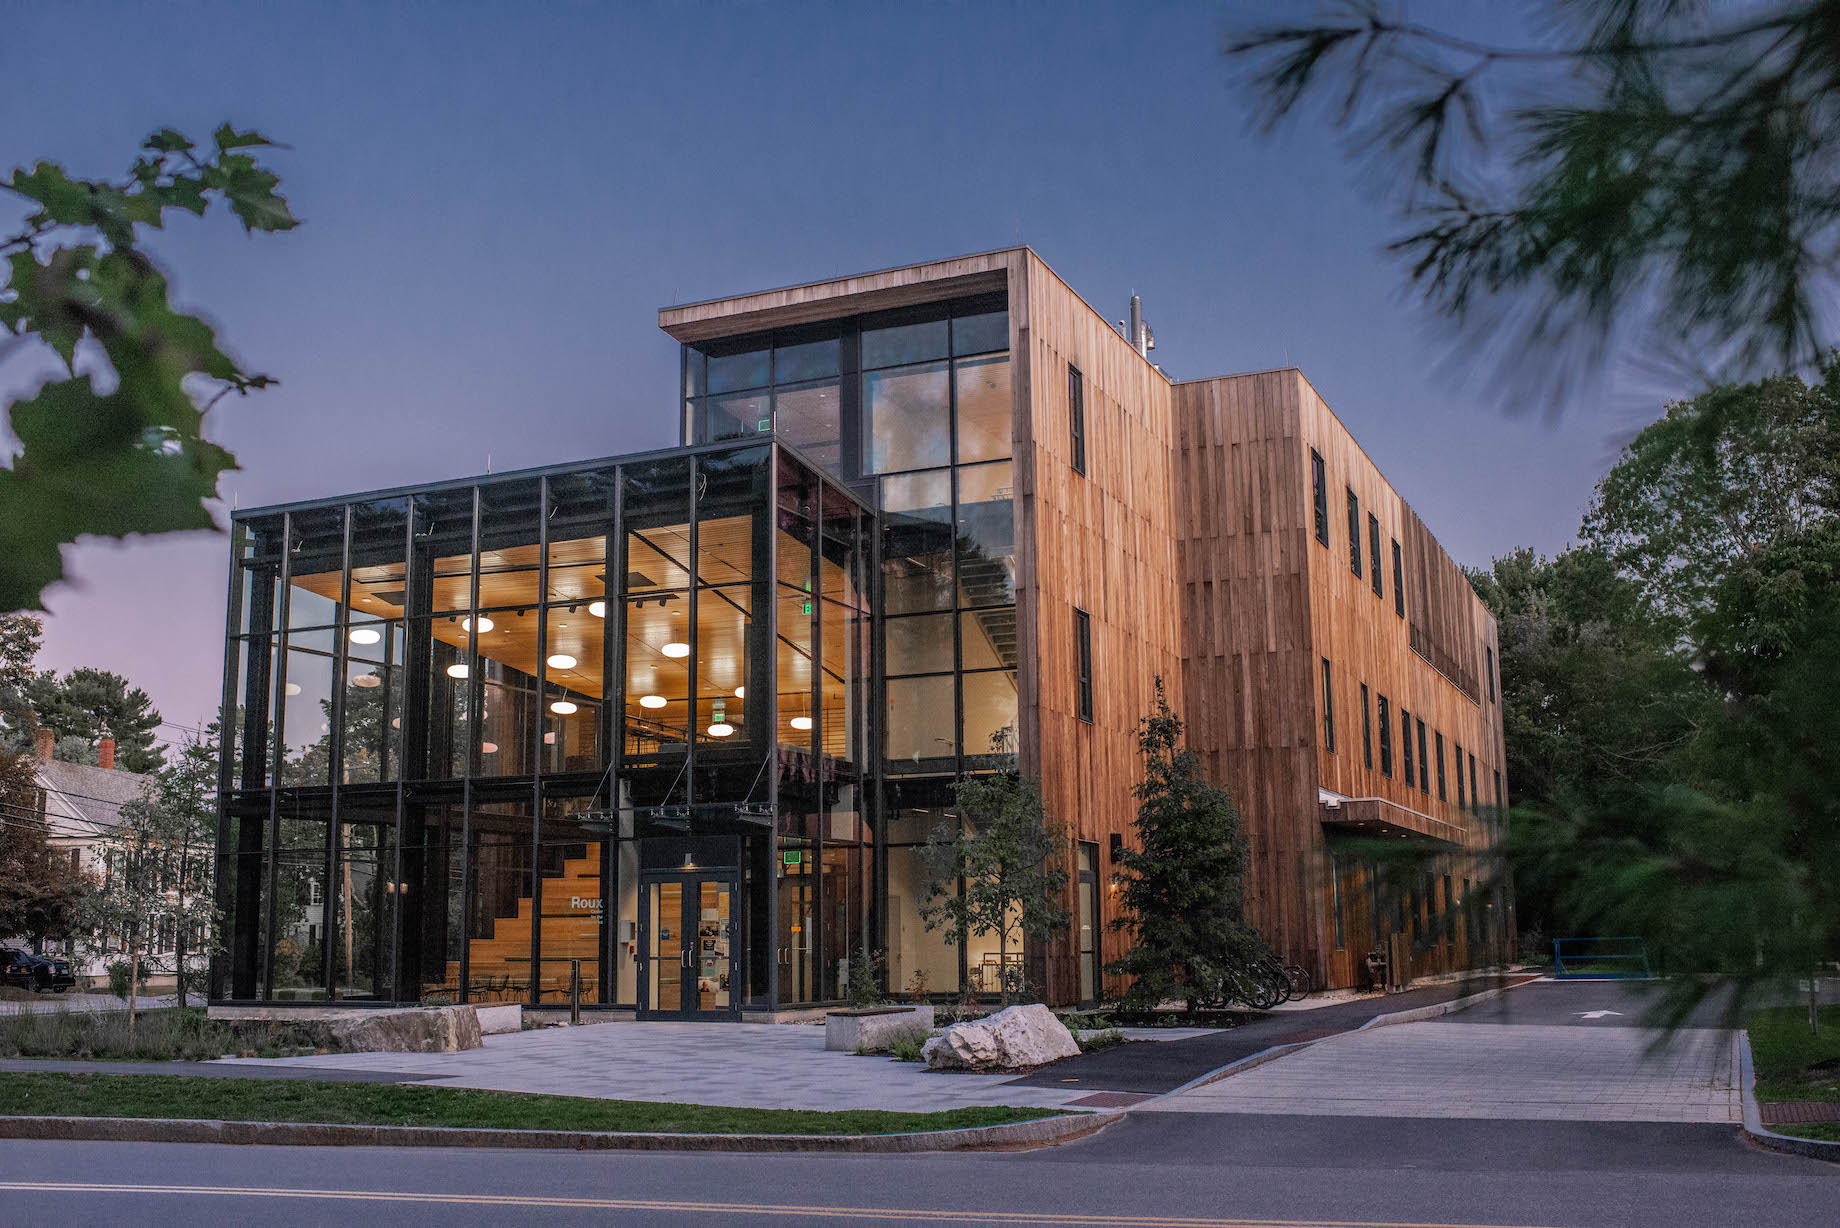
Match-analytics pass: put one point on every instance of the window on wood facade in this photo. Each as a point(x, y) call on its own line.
point(1462, 804)
point(1399, 581)
point(1488, 661)
point(1354, 533)
point(1367, 732)
point(1082, 655)
point(1076, 417)
point(1319, 490)
point(1498, 790)
point(1440, 752)
point(1475, 798)
point(1405, 736)
point(1328, 710)
point(1386, 738)
point(1424, 762)
point(1373, 549)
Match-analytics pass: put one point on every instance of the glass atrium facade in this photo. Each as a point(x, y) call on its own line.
point(677, 720)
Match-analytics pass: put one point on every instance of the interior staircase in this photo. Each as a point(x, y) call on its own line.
point(571, 927)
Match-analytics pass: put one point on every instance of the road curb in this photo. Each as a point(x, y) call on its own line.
point(1043, 1131)
point(1753, 1114)
point(1419, 1014)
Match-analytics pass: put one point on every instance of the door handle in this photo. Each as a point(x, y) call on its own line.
point(689, 958)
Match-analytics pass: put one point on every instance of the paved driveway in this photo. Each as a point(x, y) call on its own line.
point(1546, 1051)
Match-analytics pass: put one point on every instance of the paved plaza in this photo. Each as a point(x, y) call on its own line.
point(768, 1066)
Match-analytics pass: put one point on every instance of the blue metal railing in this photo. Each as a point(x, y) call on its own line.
point(1576, 959)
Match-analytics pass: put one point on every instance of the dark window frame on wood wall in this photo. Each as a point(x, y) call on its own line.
point(1424, 761)
point(1082, 656)
point(1442, 796)
point(1319, 488)
point(1488, 655)
point(1462, 802)
point(1354, 532)
point(1328, 708)
point(1405, 733)
point(1399, 580)
point(1373, 550)
point(1386, 738)
point(1367, 731)
point(1076, 418)
point(1498, 790)
point(1475, 797)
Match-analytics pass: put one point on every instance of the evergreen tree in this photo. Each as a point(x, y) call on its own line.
point(87, 703)
point(1006, 853)
point(1180, 891)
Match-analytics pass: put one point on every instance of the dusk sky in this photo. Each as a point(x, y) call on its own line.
point(497, 200)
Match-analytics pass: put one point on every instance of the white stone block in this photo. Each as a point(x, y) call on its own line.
point(1008, 1040)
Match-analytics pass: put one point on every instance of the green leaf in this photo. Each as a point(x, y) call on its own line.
point(167, 141)
point(229, 138)
point(54, 299)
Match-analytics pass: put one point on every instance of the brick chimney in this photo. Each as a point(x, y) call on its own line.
point(44, 742)
point(105, 753)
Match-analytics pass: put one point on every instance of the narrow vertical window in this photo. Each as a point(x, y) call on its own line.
point(1386, 738)
point(1498, 801)
point(1076, 418)
point(1405, 736)
point(1319, 491)
point(1082, 655)
point(1462, 804)
point(1373, 550)
point(1367, 732)
point(1399, 581)
point(1335, 894)
point(1354, 533)
point(1488, 662)
point(1328, 710)
point(1424, 762)
point(1475, 798)
point(1440, 749)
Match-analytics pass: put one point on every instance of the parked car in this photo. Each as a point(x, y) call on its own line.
point(25, 970)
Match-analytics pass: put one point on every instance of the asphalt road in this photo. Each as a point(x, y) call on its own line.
point(1154, 1169)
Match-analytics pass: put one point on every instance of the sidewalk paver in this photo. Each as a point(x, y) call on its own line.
point(740, 1064)
point(1538, 1072)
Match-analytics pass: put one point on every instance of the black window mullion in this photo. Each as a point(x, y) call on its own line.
point(335, 838)
point(536, 751)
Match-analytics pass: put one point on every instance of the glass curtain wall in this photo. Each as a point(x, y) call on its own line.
point(430, 790)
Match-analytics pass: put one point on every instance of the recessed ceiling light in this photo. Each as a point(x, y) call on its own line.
point(488, 748)
point(598, 609)
point(292, 688)
point(675, 649)
point(366, 635)
point(801, 722)
point(483, 624)
point(561, 660)
point(651, 701)
point(549, 739)
point(456, 671)
point(366, 681)
point(721, 729)
point(740, 692)
point(562, 707)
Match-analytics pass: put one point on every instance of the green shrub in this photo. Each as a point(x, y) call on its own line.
point(1094, 1042)
point(163, 1035)
point(119, 971)
point(864, 988)
point(905, 1045)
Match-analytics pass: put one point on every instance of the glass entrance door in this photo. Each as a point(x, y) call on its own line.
point(688, 951)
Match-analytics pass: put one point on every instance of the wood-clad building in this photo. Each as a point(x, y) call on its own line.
point(688, 718)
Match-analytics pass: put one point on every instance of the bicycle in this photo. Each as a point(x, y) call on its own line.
point(1296, 978)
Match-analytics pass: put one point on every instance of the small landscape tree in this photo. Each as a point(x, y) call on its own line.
point(1180, 891)
point(997, 871)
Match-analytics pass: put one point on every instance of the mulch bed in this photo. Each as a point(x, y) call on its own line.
point(1789, 1113)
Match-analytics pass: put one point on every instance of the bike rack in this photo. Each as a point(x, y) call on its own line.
point(1601, 959)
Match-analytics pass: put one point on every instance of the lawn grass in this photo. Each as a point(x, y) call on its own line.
point(1791, 1062)
point(1825, 1131)
point(388, 1104)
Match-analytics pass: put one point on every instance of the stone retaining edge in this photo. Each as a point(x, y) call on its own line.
point(1753, 1115)
point(1040, 1132)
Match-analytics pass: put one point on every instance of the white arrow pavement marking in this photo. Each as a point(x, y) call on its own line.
point(1596, 1014)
